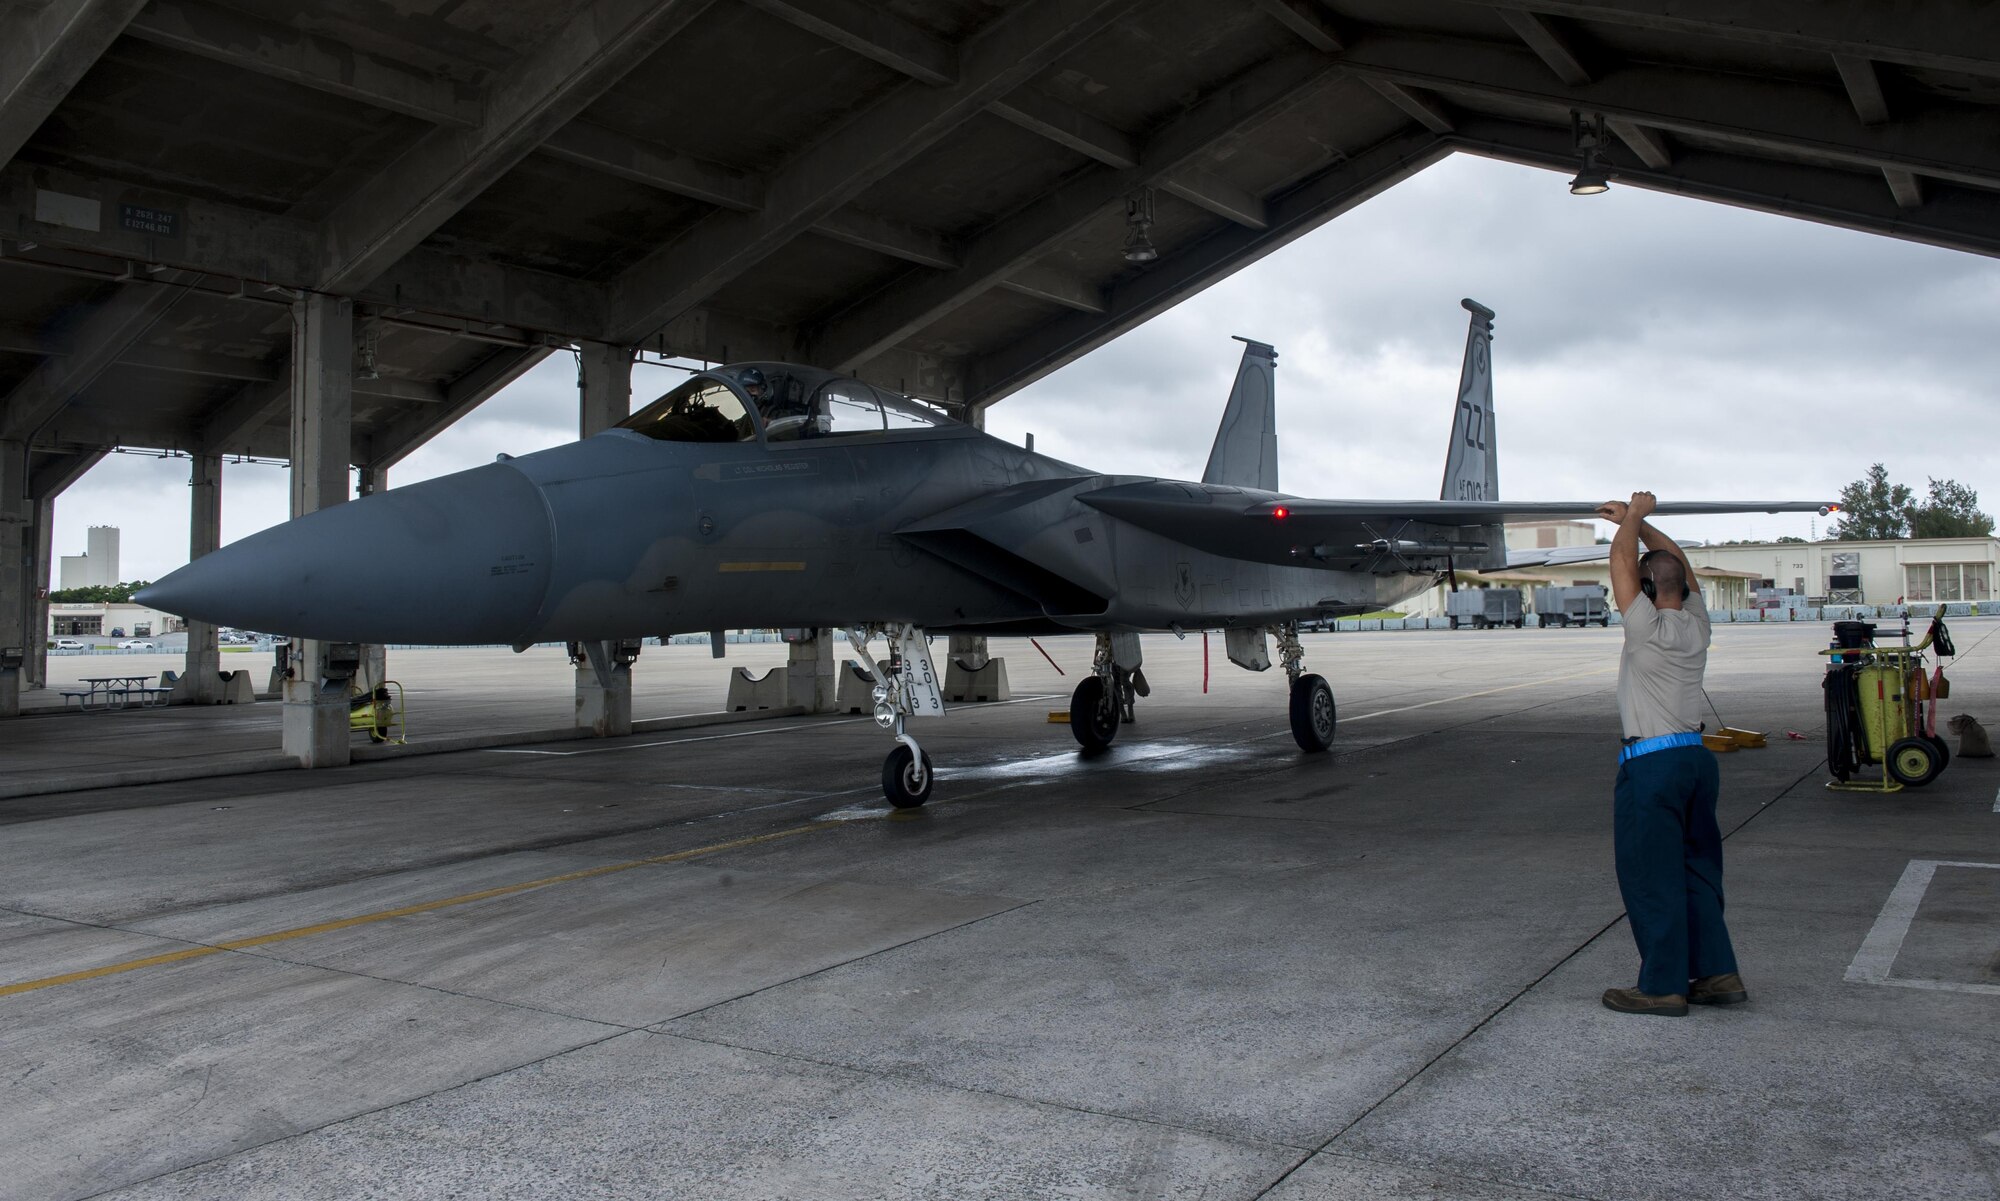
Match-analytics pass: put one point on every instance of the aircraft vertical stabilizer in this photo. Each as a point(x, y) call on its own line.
point(1246, 445)
point(1472, 461)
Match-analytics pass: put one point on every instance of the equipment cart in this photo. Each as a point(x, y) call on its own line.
point(1574, 604)
point(1881, 707)
point(1482, 608)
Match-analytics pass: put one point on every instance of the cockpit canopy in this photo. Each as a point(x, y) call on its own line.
point(791, 403)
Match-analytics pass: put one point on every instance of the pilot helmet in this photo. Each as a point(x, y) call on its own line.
point(751, 378)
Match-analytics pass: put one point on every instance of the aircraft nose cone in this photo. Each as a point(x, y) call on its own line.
point(459, 559)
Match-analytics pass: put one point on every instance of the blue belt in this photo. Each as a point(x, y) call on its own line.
point(1646, 746)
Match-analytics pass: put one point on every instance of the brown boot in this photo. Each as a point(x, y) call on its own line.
point(1631, 1000)
point(1726, 989)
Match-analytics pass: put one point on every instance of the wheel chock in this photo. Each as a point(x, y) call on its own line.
point(1721, 744)
point(1742, 738)
point(1058, 717)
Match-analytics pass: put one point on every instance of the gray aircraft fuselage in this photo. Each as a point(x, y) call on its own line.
point(622, 535)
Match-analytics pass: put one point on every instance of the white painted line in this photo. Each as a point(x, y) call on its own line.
point(1885, 941)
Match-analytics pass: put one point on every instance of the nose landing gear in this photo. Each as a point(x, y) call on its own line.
point(906, 687)
point(1107, 696)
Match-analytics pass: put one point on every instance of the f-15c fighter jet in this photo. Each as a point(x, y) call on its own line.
point(778, 495)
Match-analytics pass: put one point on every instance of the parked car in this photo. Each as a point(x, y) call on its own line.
point(72, 644)
point(138, 644)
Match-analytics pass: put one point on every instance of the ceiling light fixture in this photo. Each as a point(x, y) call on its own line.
point(1139, 246)
point(1588, 137)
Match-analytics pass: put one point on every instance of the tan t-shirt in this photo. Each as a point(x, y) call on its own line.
point(1659, 671)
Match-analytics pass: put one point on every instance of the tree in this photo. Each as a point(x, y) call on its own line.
point(98, 593)
point(1951, 512)
point(1872, 510)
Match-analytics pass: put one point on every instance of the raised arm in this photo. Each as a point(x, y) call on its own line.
point(1625, 545)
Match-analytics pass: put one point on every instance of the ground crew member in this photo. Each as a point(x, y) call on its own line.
point(1668, 846)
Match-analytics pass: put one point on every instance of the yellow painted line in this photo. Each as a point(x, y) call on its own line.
point(260, 940)
point(732, 567)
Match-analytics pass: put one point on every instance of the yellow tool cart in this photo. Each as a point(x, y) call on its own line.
point(1881, 707)
point(379, 712)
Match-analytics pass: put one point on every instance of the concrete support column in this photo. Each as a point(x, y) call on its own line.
point(17, 574)
point(368, 480)
point(201, 673)
point(315, 688)
point(42, 543)
point(604, 679)
point(604, 387)
point(810, 679)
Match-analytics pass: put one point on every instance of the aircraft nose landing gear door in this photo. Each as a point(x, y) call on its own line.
point(905, 687)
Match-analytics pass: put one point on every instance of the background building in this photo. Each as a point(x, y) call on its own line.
point(97, 566)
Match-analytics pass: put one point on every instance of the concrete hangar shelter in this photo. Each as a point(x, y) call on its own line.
point(324, 231)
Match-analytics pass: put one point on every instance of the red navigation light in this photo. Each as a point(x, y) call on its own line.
point(1281, 512)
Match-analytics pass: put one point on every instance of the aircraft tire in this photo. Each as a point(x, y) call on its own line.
point(897, 784)
point(1912, 761)
point(1093, 714)
point(1312, 713)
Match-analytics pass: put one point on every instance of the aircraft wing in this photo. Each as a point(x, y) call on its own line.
point(1558, 556)
point(1269, 527)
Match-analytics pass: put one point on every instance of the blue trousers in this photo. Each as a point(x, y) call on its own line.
point(1669, 855)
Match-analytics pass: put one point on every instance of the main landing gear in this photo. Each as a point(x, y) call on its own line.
point(1107, 697)
point(905, 687)
point(1312, 696)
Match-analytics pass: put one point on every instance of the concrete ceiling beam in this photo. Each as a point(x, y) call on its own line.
point(1308, 20)
point(1220, 197)
point(53, 474)
point(910, 243)
point(600, 149)
point(1057, 287)
point(1299, 210)
point(83, 212)
point(393, 443)
point(1952, 217)
point(264, 249)
point(1549, 45)
point(1905, 188)
point(1864, 88)
point(230, 426)
point(877, 323)
point(1651, 148)
point(43, 56)
point(280, 51)
point(628, 158)
point(1933, 35)
point(1422, 107)
point(838, 166)
point(1065, 126)
point(98, 341)
point(872, 34)
point(1763, 113)
point(390, 214)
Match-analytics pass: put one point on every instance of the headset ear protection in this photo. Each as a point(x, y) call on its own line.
point(1646, 585)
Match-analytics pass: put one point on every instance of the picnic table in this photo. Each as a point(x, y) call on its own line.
point(116, 692)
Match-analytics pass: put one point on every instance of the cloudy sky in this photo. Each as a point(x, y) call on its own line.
point(1642, 341)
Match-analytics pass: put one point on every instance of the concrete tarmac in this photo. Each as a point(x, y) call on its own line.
point(708, 963)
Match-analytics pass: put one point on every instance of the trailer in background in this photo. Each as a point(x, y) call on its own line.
point(1573, 605)
point(1482, 608)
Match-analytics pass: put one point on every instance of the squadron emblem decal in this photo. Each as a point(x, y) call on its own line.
point(1184, 585)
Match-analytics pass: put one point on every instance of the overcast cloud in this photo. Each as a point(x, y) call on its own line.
point(1642, 341)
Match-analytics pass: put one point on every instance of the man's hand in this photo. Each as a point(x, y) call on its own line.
point(1641, 504)
point(1613, 511)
